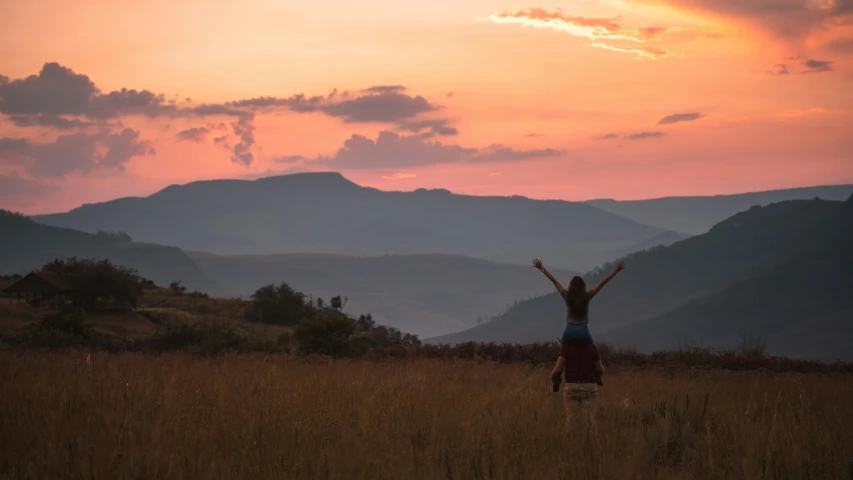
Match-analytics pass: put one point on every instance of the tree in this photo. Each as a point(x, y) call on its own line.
point(177, 287)
point(367, 321)
point(319, 303)
point(337, 303)
point(99, 280)
point(280, 305)
point(327, 334)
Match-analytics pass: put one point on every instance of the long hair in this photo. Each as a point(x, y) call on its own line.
point(577, 298)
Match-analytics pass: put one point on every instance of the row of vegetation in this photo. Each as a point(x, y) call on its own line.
point(338, 336)
point(318, 328)
point(321, 328)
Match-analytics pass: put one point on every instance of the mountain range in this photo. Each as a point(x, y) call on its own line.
point(326, 213)
point(434, 263)
point(780, 272)
point(424, 294)
point(427, 294)
point(697, 214)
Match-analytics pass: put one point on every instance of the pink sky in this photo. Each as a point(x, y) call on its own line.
point(573, 100)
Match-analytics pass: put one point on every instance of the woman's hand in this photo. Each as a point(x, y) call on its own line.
point(538, 264)
point(619, 266)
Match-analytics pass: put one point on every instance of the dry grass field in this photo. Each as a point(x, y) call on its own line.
point(141, 416)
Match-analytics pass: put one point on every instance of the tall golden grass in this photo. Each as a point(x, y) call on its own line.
point(141, 416)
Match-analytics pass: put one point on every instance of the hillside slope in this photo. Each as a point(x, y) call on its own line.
point(26, 245)
point(661, 279)
point(695, 215)
point(801, 305)
point(421, 294)
point(326, 213)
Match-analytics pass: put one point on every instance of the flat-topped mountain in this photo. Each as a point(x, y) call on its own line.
point(326, 213)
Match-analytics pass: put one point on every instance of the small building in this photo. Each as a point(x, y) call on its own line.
point(41, 287)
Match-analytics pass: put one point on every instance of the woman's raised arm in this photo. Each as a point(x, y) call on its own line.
point(619, 267)
point(538, 264)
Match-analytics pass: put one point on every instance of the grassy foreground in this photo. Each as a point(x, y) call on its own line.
point(134, 415)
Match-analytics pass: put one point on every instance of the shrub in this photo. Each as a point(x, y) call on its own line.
point(327, 334)
point(99, 280)
point(280, 305)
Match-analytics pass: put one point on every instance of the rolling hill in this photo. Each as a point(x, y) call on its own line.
point(422, 294)
point(695, 215)
point(663, 279)
point(326, 213)
point(801, 304)
point(26, 245)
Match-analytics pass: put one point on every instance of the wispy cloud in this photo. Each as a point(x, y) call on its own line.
point(679, 117)
point(391, 150)
point(586, 27)
point(591, 28)
point(643, 135)
point(645, 52)
point(817, 66)
point(808, 66)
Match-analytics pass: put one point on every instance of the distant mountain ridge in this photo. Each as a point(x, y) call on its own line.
point(326, 213)
point(425, 294)
point(696, 214)
point(26, 245)
point(663, 291)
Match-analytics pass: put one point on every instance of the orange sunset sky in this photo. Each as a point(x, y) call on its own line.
point(573, 100)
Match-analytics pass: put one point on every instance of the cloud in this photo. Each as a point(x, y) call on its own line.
point(195, 134)
point(380, 107)
point(59, 90)
point(679, 117)
point(534, 135)
point(790, 19)
point(75, 152)
point(817, 66)
point(609, 136)
point(591, 28)
point(652, 53)
point(642, 135)
point(199, 134)
point(245, 129)
point(48, 120)
point(392, 150)
point(433, 127)
point(499, 153)
point(399, 176)
point(42, 99)
point(129, 102)
point(56, 90)
point(13, 185)
point(809, 66)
